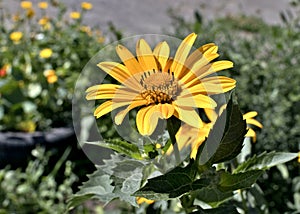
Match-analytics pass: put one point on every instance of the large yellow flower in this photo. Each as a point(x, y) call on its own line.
point(162, 86)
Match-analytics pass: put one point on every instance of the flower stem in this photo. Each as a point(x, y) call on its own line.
point(172, 126)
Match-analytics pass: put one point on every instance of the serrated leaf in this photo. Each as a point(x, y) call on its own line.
point(231, 182)
point(225, 143)
point(265, 161)
point(99, 183)
point(119, 178)
point(120, 146)
point(174, 183)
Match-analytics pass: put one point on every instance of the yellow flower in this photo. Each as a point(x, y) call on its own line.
point(250, 121)
point(16, 17)
point(51, 76)
point(141, 200)
point(75, 15)
point(162, 86)
point(30, 13)
point(43, 21)
point(26, 4)
point(190, 136)
point(43, 5)
point(16, 36)
point(86, 5)
point(46, 53)
point(299, 157)
point(86, 29)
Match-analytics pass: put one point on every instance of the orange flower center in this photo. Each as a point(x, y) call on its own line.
point(159, 87)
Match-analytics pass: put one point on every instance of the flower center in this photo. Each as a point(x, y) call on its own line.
point(160, 87)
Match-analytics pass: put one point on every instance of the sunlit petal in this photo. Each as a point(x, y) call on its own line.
point(182, 53)
point(162, 52)
point(145, 56)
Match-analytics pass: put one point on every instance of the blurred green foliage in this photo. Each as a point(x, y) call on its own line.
point(42, 51)
point(35, 190)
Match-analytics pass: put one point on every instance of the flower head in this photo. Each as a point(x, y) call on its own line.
point(26, 4)
point(162, 86)
point(75, 15)
point(86, 6)
point(16, 36)
point(51, 76)
point(43, 5)
point(46, 53)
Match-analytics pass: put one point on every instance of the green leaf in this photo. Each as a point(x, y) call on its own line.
point(231, 182)
point(211, 194)
point(120, 146)
point(225, 143)
point(172, 184)
point(265, 161)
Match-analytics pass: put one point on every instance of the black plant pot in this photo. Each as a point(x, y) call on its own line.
point(16, 147)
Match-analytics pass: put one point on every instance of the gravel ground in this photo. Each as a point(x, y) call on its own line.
point(147, 16)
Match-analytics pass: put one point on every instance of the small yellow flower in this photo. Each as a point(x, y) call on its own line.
point(86, 5)
point(101, 39)
point(43, 5)
point(75, 15)
point(86, 29)
point(16, 36)
point(26, 4)
point(51, 76)
point(16, 17)
point(299, 157)
point(30, 13)
point(141, 200)
point(46, 53)
point(43, 21)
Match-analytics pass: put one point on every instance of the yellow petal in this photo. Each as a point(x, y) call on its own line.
point(145, 56)
point(217, 66)
point(249, 115)
point(116, 94)
point(204, 88)
point(197, 101)
point(181, 55)
point(211, 114)
point(167, 110)
point(254, 122)
point(251, 133)
point(189, 116)
point(147, 119)
point(198, 55)
point(107, 107)
point(121, 115)
point(121, 74)
point(104, 87)
point(225, 83)
point(162, 52)
point(129, 60)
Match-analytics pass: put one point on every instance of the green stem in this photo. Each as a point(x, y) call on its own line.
point(172, 132)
